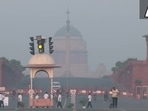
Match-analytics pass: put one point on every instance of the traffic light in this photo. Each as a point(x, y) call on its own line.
point(32, 50)
point(50, 45)
point(41, 45)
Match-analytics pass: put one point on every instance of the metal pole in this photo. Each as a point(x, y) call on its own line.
point(51, 91)
point(31, 89)
point(30, 94)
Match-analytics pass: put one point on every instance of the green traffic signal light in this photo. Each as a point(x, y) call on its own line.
point(41, 45)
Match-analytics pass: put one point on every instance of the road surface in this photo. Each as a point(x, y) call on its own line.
point(124, 104)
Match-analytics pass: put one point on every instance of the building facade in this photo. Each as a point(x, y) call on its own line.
point(70, 52)
point(134, 74)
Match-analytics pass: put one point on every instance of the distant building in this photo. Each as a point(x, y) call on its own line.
point(134, 74)
point(101, 71)
point(70, 52)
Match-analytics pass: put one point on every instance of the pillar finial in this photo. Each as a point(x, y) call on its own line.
point(68, 21)
point(146, 37)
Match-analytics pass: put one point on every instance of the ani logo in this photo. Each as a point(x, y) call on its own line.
point(146, 13)
point(143, 9)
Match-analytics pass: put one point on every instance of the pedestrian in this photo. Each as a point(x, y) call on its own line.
point(37, 96)
point(95, 96)
point(59, 100)
point(89, 101)
point(106, 96)
point(46, 96)
point(13, 94)
point(115, 93)
point(19, 102)
point(2, 97)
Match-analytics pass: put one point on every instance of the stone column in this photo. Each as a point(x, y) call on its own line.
point(146, 37)
point(1, 63)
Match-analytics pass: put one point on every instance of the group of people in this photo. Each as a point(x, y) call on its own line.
point(59, 98)
point(2, 98)
point(46, 96)
point(113, 101)
point(114, 97)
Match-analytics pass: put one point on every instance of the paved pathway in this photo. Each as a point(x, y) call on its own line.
point(124, 104)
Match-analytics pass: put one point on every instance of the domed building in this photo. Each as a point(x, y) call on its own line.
point(70, 52)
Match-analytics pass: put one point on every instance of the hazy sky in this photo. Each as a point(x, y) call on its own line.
point(111, 28)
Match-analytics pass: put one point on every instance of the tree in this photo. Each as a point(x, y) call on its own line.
point(114, 69)
point(120, 65)
point(12, 72)
point(16, 65)
point(13, 64)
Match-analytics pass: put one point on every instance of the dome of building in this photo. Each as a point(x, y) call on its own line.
point(71, 30)
point(41, 59)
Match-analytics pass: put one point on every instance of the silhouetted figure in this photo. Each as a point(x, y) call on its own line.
point(13, 93)
point(95, 96)
point(106, 96)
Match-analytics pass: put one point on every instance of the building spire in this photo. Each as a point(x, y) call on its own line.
point(68, 21)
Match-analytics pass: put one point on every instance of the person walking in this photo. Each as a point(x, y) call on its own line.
point(46, 96)
point(19, 102)
point(37, 96)
point(115, 93)
point(106, 96)
point(2, 97)
point(89, 101)
point(59, 101)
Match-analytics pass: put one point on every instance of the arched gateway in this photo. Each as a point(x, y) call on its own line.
point(41, 62)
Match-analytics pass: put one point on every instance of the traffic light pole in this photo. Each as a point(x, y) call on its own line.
point(40, 45)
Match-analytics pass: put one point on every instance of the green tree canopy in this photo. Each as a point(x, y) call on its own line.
point(120, 64)
point(14, 64)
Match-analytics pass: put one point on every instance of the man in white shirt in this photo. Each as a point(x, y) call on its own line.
point(2, 97)
point(59, 101)
point(46, 96)
point(37, 96)
point(89, 100)
point(19, 103)
point(115, 93)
